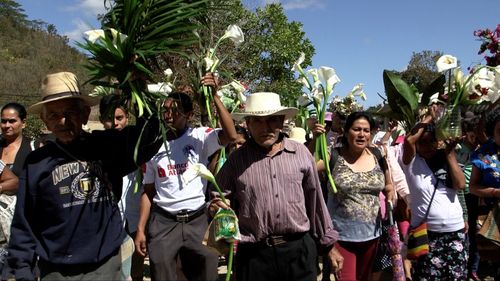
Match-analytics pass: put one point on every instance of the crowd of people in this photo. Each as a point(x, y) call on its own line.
point(92, 205)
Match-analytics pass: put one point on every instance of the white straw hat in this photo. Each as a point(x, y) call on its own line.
point(264, 104)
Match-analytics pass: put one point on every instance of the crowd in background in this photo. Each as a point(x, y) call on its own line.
point(92, 205)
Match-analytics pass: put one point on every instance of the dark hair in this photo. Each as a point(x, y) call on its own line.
point(108, 104)
point(241, 131)
point(184, 100)
point(358, 115)
point(352, 118)
point(469, 125)
point(21, 111)
point(491, 121)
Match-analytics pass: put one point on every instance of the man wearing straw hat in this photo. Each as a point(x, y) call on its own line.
point(67, 215)
point(274, 186)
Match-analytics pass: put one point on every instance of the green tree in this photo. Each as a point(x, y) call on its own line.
point(12, 10)
point(27, 53)
point(273, 45)
point(263, 62)
point(421, 69)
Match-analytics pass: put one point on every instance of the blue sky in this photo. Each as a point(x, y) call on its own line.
point(359, 38)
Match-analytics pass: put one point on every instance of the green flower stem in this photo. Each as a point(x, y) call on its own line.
point(221, 160)
point(230, 261)
point(208, 94)
point(324, 152)
point(212, 180)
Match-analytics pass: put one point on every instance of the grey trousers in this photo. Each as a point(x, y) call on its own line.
point(169, 239)
point(108, 270)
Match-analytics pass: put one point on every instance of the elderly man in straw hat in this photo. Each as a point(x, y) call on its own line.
point(275, 191)
point(67, 214)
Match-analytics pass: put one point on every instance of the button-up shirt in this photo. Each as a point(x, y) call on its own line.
point(278, 194)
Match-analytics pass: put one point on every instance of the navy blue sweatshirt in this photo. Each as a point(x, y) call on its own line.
point(67, 210)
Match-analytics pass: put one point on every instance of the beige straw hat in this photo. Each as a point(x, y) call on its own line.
point(298, 134)
point(58, 86)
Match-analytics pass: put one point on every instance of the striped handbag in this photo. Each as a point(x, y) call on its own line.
point(418, 240)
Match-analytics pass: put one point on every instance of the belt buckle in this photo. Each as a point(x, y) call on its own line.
point(182, 217)
point(274, 241)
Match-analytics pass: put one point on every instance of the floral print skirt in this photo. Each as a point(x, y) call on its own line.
point(447, 258)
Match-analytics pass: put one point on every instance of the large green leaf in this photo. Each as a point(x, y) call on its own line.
point(402, 98)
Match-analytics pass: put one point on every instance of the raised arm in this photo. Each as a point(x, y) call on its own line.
point(228, 133)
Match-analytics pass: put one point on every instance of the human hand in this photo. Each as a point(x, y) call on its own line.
point(435, 112)
point(140, 243)
point(211, 79)
point(216, 204)
point(336, 259)
point(318, 129)
point(451, 143)
point(390, 196)
point(466, 227)
point(392, 126)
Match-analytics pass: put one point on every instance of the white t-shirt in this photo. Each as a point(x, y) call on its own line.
point(445, 214)
point(130, 201)
point(166, 167)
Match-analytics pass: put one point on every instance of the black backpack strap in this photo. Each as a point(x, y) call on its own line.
point(334, 156)
point(380, 158)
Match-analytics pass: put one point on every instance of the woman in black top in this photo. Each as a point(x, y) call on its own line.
point(14, 147)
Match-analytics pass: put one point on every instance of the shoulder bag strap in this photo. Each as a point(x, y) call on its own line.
point(430, 203)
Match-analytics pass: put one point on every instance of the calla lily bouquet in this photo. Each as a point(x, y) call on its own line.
point(211, 62)
point(123, 53)
point(233, 95)
point(226, 221)
point(319, 83)
point(461, 90)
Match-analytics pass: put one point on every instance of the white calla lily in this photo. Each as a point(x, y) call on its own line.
point(446, 62)
point(362, 95)
point(318, 95)
point(296, 66)
point(162, 88)
point(459, 75)
point(94, 35)
point(237, 86)
point(314, 73)
point(197, 170)
point(303, 80)
point(304, 100)
point(168, 73)
point(234, 33)
point(240, 90)
point(117, 35)
point(357, 89)
point(328, 75)
point(208, 63)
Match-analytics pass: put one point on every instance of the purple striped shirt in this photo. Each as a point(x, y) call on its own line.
point(276, 195)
